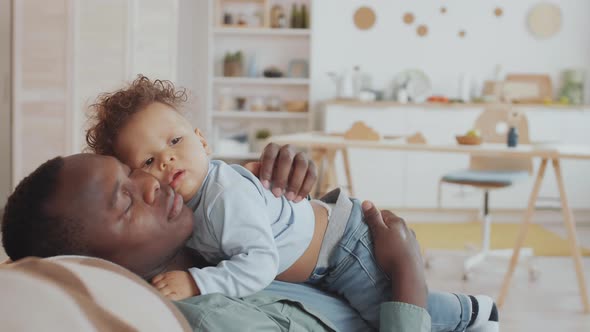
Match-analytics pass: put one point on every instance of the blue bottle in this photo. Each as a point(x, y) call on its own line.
point(512, 137)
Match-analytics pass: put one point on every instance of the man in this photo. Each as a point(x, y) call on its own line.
point(94, 205)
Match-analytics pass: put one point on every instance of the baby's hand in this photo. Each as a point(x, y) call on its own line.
point(176, 285)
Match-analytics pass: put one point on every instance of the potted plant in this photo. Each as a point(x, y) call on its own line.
point(260, 139)
point(233, 64)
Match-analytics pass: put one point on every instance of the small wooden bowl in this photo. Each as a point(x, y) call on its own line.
point(469, 140)
point(296, 106)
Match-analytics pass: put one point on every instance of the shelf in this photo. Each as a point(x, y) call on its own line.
point(238, 156)
point(259, 115)
point(261, 32)
point(262, 80)
point(386, 103)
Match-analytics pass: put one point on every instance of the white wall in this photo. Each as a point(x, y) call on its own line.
point(392, 46)
point(5, 49)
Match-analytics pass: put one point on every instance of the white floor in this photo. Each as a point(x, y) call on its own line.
point(552, 303)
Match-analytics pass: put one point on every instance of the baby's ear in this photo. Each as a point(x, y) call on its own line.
point(203, 141)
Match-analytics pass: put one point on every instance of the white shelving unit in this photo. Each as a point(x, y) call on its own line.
point(261, 81)
point(262, 47)
point(259, 115)
point(261, 32)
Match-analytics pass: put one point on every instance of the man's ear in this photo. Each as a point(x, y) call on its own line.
point(203, 141)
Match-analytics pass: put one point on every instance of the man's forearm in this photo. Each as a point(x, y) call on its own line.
point(407, 288)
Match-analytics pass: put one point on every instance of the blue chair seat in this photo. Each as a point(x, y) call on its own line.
point(491, 178)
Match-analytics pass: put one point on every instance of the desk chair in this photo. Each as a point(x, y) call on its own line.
point(490, 173)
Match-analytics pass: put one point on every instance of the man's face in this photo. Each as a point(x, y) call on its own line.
point(129, 217)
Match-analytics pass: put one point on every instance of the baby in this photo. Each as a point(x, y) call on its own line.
point(250, 235)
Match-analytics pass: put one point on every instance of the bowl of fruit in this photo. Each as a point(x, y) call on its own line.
point(472, 137)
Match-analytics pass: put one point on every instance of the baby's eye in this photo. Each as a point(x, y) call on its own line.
point(176, 140)
point(148, 162)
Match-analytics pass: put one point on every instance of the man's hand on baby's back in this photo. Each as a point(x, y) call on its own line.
point(285, 171)
point(176, 285)
point(397, 252)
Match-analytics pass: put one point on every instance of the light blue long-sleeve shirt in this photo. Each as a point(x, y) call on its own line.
point(248, 232)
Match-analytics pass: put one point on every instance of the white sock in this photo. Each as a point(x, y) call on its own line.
point(487, 314)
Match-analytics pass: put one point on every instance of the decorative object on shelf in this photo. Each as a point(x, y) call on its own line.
point(257, 104)
point(295, 17)
point(473, 137)
point(360, 131)
point(273, 104)
point(422, 30)
point(236, 144)
point(241, 103)
point(260, 139)
point(402, 94)
point(252, 66)
point(337, 80)
point(416, 138)
point(304, 17)
point(226, 102)
point(498, 12)
point(512, 140)
point(272, 72)
point(299, 68)
point(544, 20)
point(514, 118)
point(364, 18)
point(408, 18)
point(438, 99)
point(462, 33)
point(443, 10)
point(492, 91)
point(367, 95)
point(256, 19)
point(464, 87)
point(296, 105)
point(527, 88)
point(242, 20)
point(416, 83)
point(228, 19)
point(233, 64)
point(277, 17)
point(572, 90)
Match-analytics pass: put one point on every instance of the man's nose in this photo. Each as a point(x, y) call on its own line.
point(148, 185)
point(166, 160)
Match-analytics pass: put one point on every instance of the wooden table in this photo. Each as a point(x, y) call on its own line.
point(324, 148)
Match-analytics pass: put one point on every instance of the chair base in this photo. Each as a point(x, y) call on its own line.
point(471, 262)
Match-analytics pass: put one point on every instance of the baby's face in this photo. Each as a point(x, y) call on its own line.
point(162, 142)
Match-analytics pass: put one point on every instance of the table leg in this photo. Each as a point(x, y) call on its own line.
point(347, 171)
point(330, 181)
point(524, 228)
point(318, 157)
point(570, 225)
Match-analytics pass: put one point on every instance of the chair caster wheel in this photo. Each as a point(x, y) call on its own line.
point(466, 276)
point(533, 274)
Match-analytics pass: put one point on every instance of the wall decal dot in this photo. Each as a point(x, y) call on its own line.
point(364, 18)
point(462, 33)
point(544, 20)
point(409, 18)
point(443, 10)
point(498, 11)
point(422, 30)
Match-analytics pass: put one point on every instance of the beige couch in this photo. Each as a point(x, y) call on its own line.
point(74, 293)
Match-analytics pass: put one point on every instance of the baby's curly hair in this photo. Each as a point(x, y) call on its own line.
point(111, 111)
